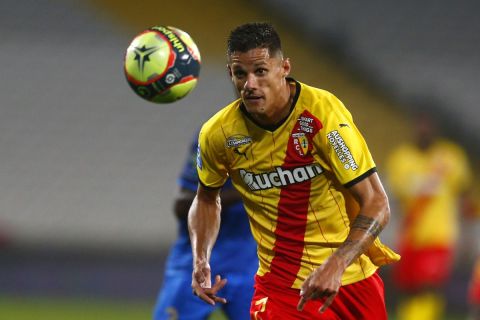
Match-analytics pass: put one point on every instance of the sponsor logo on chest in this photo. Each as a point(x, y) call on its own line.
point(279, 177)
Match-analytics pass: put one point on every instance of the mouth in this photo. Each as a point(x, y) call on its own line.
point(253, 98)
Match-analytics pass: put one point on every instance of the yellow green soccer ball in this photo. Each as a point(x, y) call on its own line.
point(162, 64)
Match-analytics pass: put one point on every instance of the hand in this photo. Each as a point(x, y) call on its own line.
point(201, 285)
point(323, 283)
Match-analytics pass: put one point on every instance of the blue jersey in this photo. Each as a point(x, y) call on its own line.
point(234, 257)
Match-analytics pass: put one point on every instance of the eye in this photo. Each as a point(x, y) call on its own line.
point(261, 71)
point(239, 74)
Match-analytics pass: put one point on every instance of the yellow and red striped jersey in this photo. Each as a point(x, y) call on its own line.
point(293, 180)
point(428, 185)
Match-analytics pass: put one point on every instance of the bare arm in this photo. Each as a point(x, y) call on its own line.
point(184, 199)
point(203, 225)
point(373, 217)
point(325, 281)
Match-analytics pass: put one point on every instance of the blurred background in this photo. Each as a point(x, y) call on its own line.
point(88, 170)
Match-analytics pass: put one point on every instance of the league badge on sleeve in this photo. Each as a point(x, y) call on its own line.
point(199, 157)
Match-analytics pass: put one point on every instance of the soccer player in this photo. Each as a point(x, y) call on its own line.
point(429, 178)
point(234, 256)
point(314, 199)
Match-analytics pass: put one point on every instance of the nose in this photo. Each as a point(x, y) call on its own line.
point(251, 82)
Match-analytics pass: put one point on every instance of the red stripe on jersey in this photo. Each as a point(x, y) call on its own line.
point(293, 204)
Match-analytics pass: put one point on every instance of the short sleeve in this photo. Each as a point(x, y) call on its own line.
point(344, 146)
point(211, 169)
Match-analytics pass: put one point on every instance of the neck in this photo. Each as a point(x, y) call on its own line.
point(282, 112)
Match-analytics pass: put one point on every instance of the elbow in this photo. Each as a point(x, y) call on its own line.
point(384, 210)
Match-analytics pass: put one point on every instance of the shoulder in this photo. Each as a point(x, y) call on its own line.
point(321, 102)
point(225, 116)
point(217, 129)
point(450, 145)
point(446, 146)
point(318, 96)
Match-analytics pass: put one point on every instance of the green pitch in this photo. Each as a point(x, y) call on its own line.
point(42, 308)
point(22, 308)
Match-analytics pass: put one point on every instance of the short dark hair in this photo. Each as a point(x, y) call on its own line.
point(254, 35)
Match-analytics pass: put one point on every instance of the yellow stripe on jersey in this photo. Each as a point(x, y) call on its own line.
point(292, 180)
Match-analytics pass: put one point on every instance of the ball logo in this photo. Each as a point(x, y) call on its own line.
point(172, 37)
point(142, 55)
point(170, 78)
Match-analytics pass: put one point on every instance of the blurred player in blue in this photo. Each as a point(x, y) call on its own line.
point(234, 257)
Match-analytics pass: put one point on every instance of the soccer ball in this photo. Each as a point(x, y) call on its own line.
point(162, 64)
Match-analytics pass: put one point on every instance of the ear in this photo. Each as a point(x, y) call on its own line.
point(286, 67)
point(230, 74)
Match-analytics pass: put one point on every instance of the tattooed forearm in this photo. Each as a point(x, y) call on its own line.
point(367, 224)
point(363, 231)
point(351, 250)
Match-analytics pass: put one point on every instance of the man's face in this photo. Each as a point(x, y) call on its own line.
point(260, 81)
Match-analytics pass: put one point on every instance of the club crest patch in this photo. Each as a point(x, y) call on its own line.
point(300, 142)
